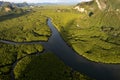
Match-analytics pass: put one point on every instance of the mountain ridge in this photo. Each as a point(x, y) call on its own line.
point(101, 4)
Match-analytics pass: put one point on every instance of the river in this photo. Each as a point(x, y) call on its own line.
point(57, 45)
point(99, 71)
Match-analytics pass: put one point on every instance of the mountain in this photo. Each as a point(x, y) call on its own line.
point(101, 4)
point(98, 34)
point(47, 3)
point(1, 3)
point(11, 8)
point(24, 4)
point(108, 4)
point(105, 13)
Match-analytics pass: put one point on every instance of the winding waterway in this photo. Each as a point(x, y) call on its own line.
point(98, 71)
point(57, 45)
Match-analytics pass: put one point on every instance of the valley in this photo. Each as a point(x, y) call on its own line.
point(58, 42)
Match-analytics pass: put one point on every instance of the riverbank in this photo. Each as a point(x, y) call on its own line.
point(57, 46)
point(13, 50)
point(87, 35)
point(57, 70)
point(76, 62)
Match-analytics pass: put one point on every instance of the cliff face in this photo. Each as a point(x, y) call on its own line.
point(101, 4)
point(108, 4)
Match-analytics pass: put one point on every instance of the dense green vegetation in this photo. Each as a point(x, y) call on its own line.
point(60, 15)
point(22, 27)
point(22, 31)
point(115, 4)
point(45, 67)
point(95, 37)
point(11, 53)
point(30, 27)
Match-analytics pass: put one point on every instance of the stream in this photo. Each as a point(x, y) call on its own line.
point(57, 45)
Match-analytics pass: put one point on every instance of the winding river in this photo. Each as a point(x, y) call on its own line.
point(98, 71)
point(57, 45)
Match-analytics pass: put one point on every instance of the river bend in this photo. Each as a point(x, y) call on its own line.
point(57, 45)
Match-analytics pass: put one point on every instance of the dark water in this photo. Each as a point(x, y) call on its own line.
point(98, 71)
point(58, 46)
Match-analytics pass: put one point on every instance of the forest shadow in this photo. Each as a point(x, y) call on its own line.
point(64, 31)
point(11, 16)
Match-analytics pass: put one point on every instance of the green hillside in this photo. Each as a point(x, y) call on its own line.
point(104, 4)
point(115, 4)
point(97, 37)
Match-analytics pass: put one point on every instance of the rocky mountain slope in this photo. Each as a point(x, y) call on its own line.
point(106, 4)
point(10, 8)
point(101, 4)
point(99, 30)
point(2, 3)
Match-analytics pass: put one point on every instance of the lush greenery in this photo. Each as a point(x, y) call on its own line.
point(45, 67)
point(95, 37)
point(25, 27)
point(29, 27)
point(11, 53)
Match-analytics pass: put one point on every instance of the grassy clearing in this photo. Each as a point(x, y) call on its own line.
point(49, 68)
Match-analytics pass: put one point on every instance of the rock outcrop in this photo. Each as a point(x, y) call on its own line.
point(83, 6)
point(101, 4)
